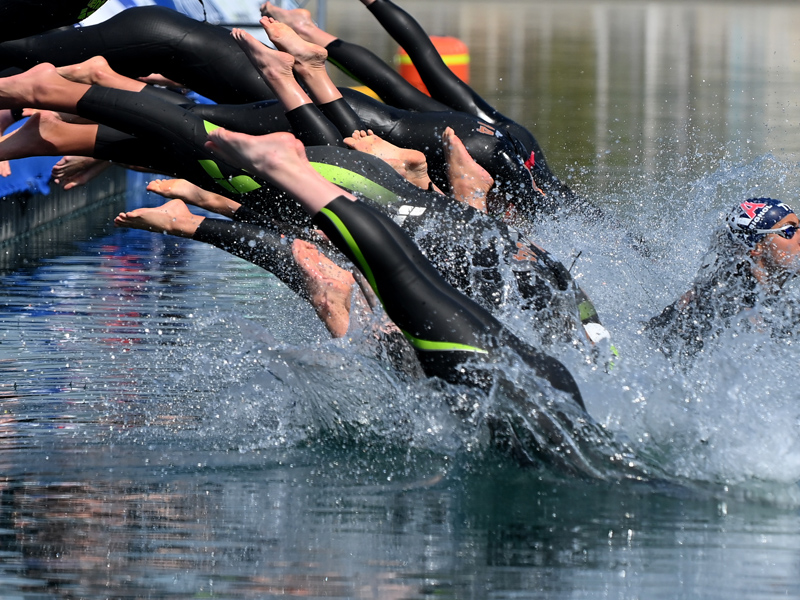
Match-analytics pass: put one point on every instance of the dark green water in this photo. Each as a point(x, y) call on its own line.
point(175, 424)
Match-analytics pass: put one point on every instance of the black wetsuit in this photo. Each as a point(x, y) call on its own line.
point(490, 147)
point(22, 18)
point(444, 326)
point(204, 57)
point(448, 93)
point(474, 252)
point(143, 40)
point(684, 328)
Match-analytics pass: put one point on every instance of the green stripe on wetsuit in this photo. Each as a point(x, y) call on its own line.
point(240, 184)
point(587, 310)
point(358, 255)
point(90, 9)
point(354, 182)
point(351, 243)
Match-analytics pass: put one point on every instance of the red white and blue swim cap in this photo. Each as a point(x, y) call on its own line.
point(756, 213)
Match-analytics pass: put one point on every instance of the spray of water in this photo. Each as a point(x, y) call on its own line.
point(729, 417)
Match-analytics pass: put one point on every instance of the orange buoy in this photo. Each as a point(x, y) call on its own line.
point(453, 51)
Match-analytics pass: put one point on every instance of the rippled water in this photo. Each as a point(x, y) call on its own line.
point(174, 423)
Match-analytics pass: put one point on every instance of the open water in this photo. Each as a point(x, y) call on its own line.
point(174, 423)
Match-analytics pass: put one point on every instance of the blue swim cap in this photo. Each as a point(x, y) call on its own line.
point(756, 213)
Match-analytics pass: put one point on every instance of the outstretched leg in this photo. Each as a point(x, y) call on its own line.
point(326, 286)
point(41, 87)
point(356, 61)
point(200, 55)
point(277, 68)
point(445, 327)
point(45, 134)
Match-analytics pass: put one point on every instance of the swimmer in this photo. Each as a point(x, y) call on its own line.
point(398, 273)
point(170, 140)
point(454, 338)
point(448, 94)
point(752, 256)
point(200, 55)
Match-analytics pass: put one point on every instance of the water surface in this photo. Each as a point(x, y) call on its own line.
point(174, 423)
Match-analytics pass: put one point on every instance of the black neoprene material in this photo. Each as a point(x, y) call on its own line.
point(142, 40)
point(254, 118)
point(312, 128)
point(170, 128)
point(166, 95)
point(423, 304)
point(118, 147)
point(341, 114)
point(369, 70)
point(171, 140)
point(21, 18)
point(490, 147)
point(441, 82)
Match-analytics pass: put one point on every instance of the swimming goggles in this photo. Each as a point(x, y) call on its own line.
point(787, 231)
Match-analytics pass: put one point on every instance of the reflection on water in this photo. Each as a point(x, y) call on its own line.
point(617, 91)
point(174, 423)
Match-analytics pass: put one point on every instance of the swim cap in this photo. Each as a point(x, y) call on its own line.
point(753, 214)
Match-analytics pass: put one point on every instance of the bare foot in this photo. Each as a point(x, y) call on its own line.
point(329, 286)
point(23, 90)
point(74, 171)
point(276, 67)
point(411, 164)
point(470, 181)
point(96, 71)
point(32, 139)
point(180, 189)
point(300, 21)
point(281, 159)
point(308, 57)
point(257, 154)
point(173, 218)
point(159, 79)
point(273, 64)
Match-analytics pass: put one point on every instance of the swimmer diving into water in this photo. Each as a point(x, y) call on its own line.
point(751, 258)
point(201, 57)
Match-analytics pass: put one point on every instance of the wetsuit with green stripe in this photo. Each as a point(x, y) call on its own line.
point(484, 258)
point(142, 40)
point(445, 327)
